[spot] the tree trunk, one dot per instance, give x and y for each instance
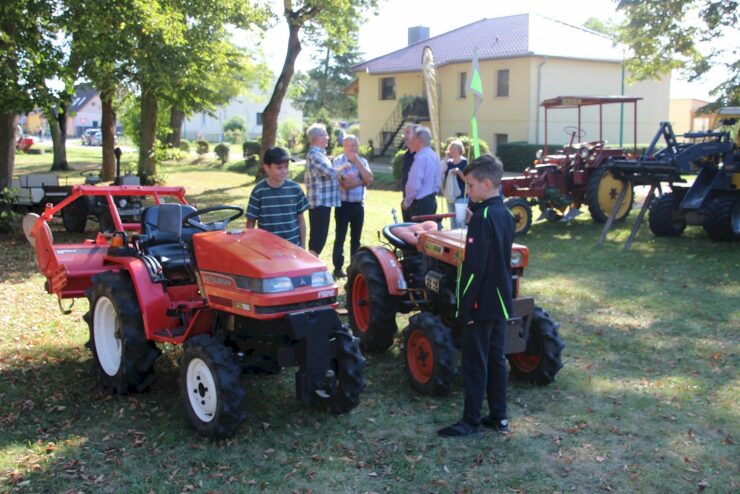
(177, 117)
(272, 110)
(108, 127)
(58, 127)
(8, 125)
(147, 131)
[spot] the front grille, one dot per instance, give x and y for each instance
(226, 302)
(275, 309)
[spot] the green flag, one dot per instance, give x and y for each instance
(476, 85)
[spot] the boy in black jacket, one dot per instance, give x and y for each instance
(484, 300)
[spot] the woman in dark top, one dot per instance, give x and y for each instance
(455, 164)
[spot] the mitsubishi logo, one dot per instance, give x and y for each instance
(303, 282)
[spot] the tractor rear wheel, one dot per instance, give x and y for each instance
(722, 221)
(430, 354)
(74, 216)
(209, 384)
(348, 365)
(124, 357)
(602, 192)
(371, 309)
(522, 213)
(541, 360)
(665, 219)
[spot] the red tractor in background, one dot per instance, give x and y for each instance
(572, 176)
(417, 271)
(235, 299)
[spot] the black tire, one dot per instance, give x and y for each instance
(539, 363)
(665, 219)
(348, 365)
(722, 221)
(602, 193)
(522, 213)
(210, 389)
(124, 358)
(429, 354)
(371, 309)
(74, 216)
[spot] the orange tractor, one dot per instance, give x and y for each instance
(416, 271)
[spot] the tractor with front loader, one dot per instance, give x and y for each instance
(559, 183)
(416, 271)
(236, 299)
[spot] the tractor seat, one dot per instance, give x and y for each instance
(406, 235)
(166, 239)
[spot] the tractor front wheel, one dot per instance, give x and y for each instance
(541, 360)
(722, 221)
(124, 357)
(348, 365)
(430, 354)
(522, 213)
(74, 216)
(371, 309)
(209, 384)
(665, 218)
(602, 192)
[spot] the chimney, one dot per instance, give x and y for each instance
(417, 34)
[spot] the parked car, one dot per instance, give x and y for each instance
(87, 137)
(96, 139)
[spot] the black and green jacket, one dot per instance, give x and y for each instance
(484, 285)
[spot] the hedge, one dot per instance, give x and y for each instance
(517, 156)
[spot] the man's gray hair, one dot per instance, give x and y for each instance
(314, 131)
(424, 134)
(352, 138)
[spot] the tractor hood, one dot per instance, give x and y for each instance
(252, 253)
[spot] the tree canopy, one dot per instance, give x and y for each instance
(690, 35)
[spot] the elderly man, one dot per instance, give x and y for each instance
(408, 160)
(424, 177)
(322, 184)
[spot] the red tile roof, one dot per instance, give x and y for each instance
(502, 37)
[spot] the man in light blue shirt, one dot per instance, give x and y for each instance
(425, 176)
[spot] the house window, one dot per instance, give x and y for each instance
(388, 88)
(502, 82)
(500, 139)
(259, 118)
(463, 85)
(95, 124)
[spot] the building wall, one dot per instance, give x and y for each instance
(682, 116)
(518, 116)
(210, 127)
(89, 116)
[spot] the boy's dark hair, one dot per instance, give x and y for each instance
(486, 166)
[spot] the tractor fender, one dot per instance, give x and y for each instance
(153, 300)
(392, 269)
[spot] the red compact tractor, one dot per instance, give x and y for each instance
(573, 175)
(417, 271)
(236, 300)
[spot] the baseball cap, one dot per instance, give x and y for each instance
(276, 155)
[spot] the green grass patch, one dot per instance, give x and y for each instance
(647, 401)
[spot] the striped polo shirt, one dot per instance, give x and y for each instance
(276, 209)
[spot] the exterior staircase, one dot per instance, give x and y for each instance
(412, 110)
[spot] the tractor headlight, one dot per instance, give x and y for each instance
(516, 259)
(275, 285)
(122, 203)
(584, 153)
(538, 154)
(321, 278)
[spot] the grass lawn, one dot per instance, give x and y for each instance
(648, 399)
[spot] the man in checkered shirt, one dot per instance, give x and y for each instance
(322, 184)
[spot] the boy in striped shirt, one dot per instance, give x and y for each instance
(277, 203)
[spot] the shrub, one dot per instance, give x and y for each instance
(398, 164)
(222, 151)
(290, 134)
(366, 151)
(354, 129)
(165, 152)
(184, 145)
(517, 156)
(252, 163)
(10, 221)
(236, 123)
(250, 147)
(202, 147)
(234, 136)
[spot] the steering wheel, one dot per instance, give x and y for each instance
(190, 220)
(573, 131)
